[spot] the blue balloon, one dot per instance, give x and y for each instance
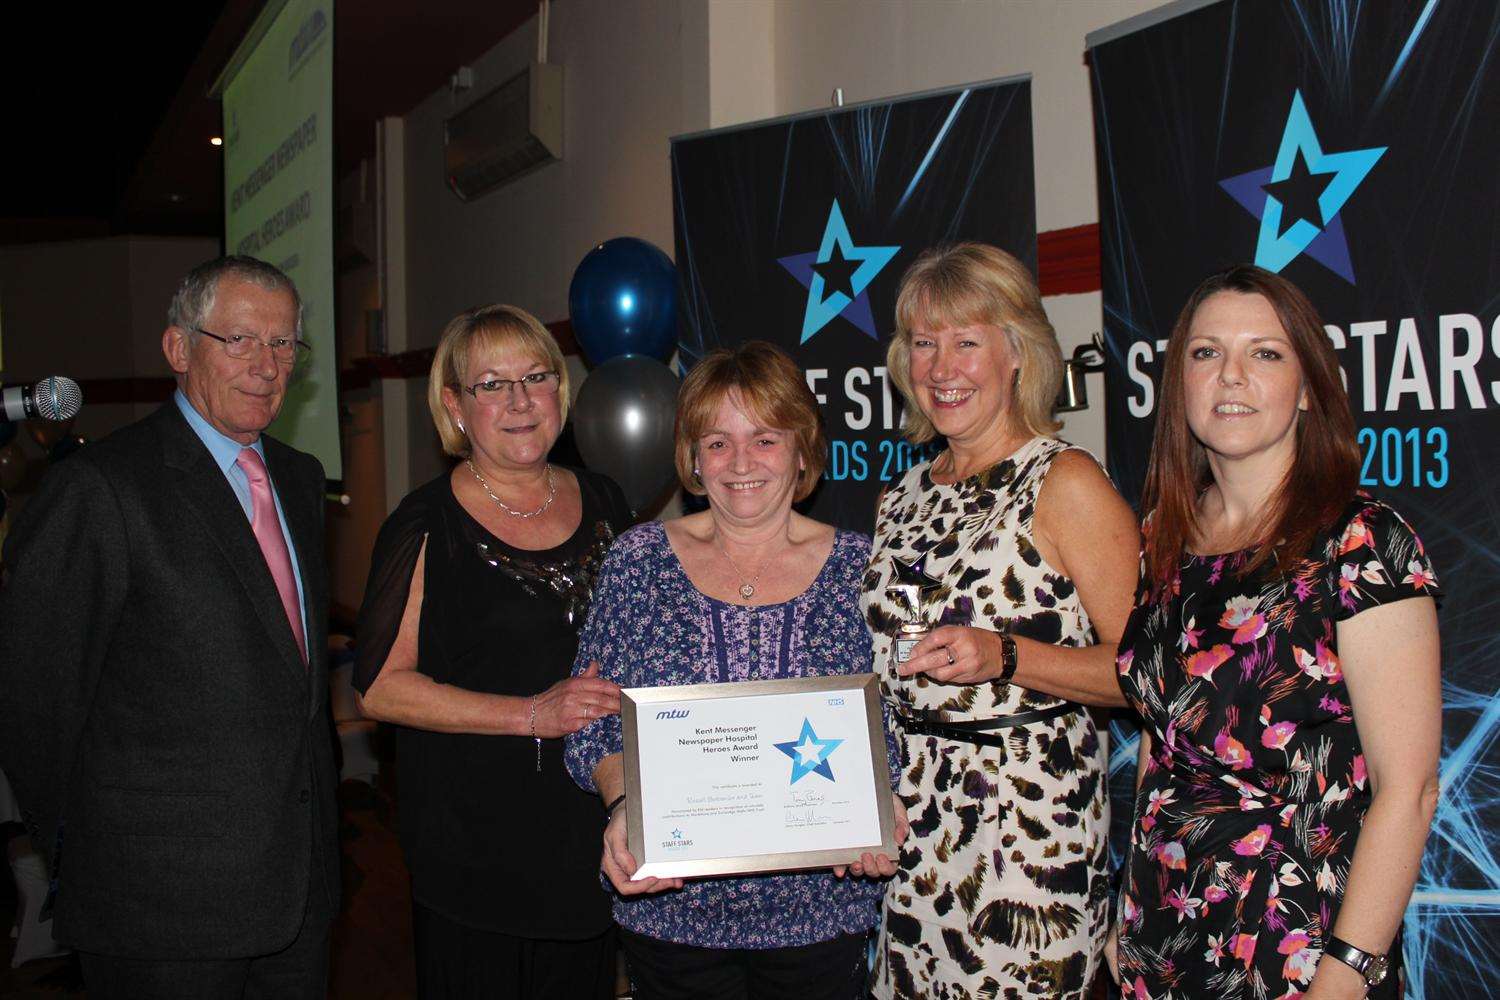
(623, 300)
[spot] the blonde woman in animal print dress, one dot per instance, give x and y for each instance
(1027, 562)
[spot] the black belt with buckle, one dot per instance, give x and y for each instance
(925, 723)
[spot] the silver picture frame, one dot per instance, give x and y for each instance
(864, 686)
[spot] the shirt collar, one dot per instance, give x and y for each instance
(224, 449)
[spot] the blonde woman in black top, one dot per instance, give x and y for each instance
(478, 586)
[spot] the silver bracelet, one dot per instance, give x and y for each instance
(535, 738)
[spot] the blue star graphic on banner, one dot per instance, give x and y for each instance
(809, 754)
(1282, 239)
(833, 264)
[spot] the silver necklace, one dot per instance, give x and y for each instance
(551, 493)
(747, 587)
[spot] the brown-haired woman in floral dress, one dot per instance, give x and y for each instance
(1284, 655)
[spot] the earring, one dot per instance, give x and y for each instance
(461, 428)
(696, 477)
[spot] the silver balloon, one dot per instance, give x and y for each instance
(622, 423)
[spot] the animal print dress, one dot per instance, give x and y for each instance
(1002, 888)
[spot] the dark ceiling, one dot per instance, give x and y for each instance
(110, 134)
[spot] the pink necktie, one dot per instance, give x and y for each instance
(267, 528)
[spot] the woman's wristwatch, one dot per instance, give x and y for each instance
(1007, 658)
(1372, 967)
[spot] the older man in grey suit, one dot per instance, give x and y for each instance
(163, 693)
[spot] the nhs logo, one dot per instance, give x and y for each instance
(674, 713)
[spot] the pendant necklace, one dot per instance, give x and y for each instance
(551, 493)
(747, 587)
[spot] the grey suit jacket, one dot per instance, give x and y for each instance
(170, 750)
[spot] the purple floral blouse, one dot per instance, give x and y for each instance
(649, 626)
(1253, 796)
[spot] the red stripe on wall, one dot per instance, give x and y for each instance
(1067, 263)
(1068, 260)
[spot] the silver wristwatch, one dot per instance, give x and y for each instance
(1372, 967)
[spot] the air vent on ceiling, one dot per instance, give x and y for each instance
(510, 131)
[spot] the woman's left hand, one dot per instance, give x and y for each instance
(955, 654)
(879, 865)
(572, 703)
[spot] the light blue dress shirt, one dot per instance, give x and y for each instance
(226, 452)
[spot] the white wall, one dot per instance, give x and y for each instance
(881, 48)
(635, 75)
(640, 71)
(741, 61)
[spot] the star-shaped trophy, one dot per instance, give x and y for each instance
(910, 588)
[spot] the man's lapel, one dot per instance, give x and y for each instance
(207, 494)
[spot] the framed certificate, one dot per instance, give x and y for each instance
(727, 779)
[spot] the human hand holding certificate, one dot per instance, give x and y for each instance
(757, 776)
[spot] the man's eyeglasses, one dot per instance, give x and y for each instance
(495, 390)
(286, 350)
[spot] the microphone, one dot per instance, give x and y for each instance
(56, 397)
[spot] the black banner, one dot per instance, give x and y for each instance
(1351, 148)
(797, 231)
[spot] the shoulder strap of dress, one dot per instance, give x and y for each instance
(1035, 461)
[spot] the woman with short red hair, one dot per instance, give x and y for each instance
(745, 590)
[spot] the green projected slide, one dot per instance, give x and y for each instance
(279, 201)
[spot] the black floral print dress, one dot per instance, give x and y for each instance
(1253, 796)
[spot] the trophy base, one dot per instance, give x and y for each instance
(906, 642)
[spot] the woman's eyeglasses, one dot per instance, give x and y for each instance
(496, 390)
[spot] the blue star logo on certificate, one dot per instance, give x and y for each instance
(809, 754)
(676, 834)
(836, 276)
(1298, 198)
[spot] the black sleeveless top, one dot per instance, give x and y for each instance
(491, 841)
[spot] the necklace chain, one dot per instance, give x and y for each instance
(551, 493)
(747, 587)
